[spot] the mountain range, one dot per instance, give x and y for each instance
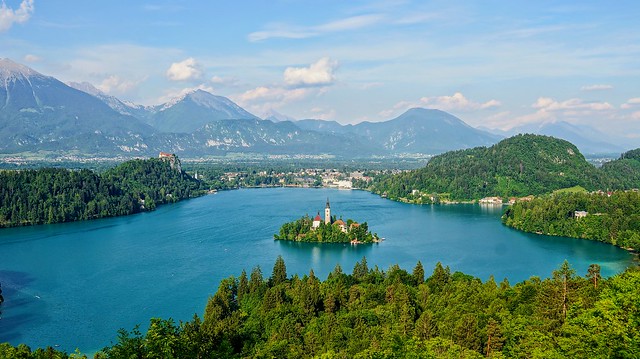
(39, 113)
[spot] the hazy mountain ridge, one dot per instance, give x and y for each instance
(41, 113)
(193, 110)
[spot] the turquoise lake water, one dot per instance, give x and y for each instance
(75, 284)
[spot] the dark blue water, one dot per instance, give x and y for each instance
(76, 284)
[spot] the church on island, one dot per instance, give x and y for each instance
(327, 220)
(327, 230)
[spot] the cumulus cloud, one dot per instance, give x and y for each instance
(115, 85)
(320, 73)
(631, 103)
(264, 98)
(457, 102)
(187, 70)
(599, 87)
(9, 16)
(574, 104)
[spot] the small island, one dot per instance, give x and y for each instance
(329, 230)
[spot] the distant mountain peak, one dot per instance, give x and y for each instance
(12, 70)
(275, 116)
(86, 87)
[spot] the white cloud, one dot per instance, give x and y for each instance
(264, 98)
(631, 103)
(457, 102)
(186, 70)
(277, 94)
(9, 16)
(32, 58)
(574, 104)
(548, 109)
(115, 85)
(598, 87)
(319, 73)
(303, 32)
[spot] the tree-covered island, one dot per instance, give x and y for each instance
(329, 230)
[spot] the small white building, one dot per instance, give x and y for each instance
(316, 221)
(491, 200)
(345, 184)
(580, 214)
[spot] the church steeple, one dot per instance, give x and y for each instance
(327, 213)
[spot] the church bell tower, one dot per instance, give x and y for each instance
(327, 213)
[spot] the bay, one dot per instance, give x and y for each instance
(75, 284)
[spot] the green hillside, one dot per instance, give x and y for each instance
(518, 166)
(625, 171)
(52, 195)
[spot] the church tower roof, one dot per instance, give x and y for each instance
(328, 206)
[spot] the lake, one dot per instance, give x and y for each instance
(75, 284)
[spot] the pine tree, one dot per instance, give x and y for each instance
(243, 285)
(495, 339)
(279, 274)
(255, 280)
(593, 273)
(418, 273)
(564, 275)
(361, 270)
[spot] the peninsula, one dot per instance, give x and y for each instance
(329, 230)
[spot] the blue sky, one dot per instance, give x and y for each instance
(497, 64)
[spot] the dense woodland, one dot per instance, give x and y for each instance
(611, 219)
(625, 171)
(372, 313)
(300, 230)
(52, 195)
(518, 166)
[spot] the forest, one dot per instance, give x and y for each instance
(300, 230)
(610, 218)
(393, 313)
(53, 195)
(515, 167)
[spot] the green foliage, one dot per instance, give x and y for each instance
(518, 166)
(377, 314)
(51, 195)
(625, 171)
(301, 230)
(611, 219)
